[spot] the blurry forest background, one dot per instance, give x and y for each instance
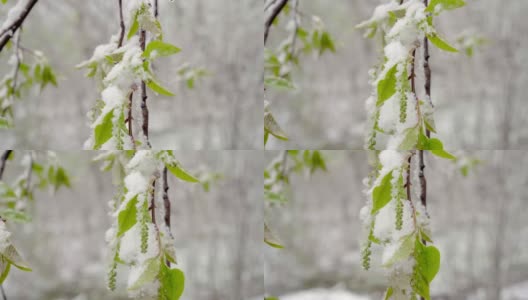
(480, 100)
(223, 111)
(218, 233)
(478, 223)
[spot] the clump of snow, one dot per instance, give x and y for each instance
(113, 97)
(144, 161)
(391, 159)
(395, 52)
(136, 183)
(389, 114)
(385, 222)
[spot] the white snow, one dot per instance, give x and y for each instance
(136, 183)
(113, 97)
(391, 159)
(395, 53)
(13, 14)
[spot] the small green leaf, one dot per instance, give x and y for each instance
(270, 238)
(127, 217)
(61, 178)
(382, 193)
(161, 49)
(5, 267)
(149, 274)
(272, 127)
(388, 294)
(179, 172)
(278, 82)
(404, 251)
(437, 148)
(11, 254)
(157, 88)
(440, 43)
(410, 139)
(103, 131)
(446, 4)
(326, 43)
(172, 283)
(134, 27)
(387, 86)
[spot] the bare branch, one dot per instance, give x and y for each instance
(166, 203)
(3, 160)
(121, 24)
(7, 33)
(275, 10)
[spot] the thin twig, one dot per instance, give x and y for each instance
(130, 118)
(3, 160)
(427, 72)
(17, 57)
(121, 24)
(5, 34)
(295, 28)
(156, 11)
(144, 97)
(166, 203)
(274, 13)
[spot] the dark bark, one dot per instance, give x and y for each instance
(121, 24)
(5, 35)
(3, 160)
(166, 203)
(144, 107)
(274, 13)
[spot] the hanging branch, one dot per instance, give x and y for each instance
(3, 160)
(144, 107)
(427, 71)
(156, 12)
(295, 27)
(274, 13)
(153, 202)
(9, 31)
(166, 204)
(17, 58)
(121, 24)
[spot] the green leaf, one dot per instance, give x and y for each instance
(172, 283)
(382, 193)
(103, 131)
(278, 82)
(326, 43)
(4, 2)
(437, 148)
(127, 218)
(388, 294)
(161, 48)
(404, 251)
(426, 268)
(410, 140)
(14, 215)
(61, 178)
(387, 86)
(446, 4)
(179, 172)
(11, 254)
(151, 271)
(270, 238)
(272, 127)
(5, 267)
(157, 88)
(440, 43)
(134, 27)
